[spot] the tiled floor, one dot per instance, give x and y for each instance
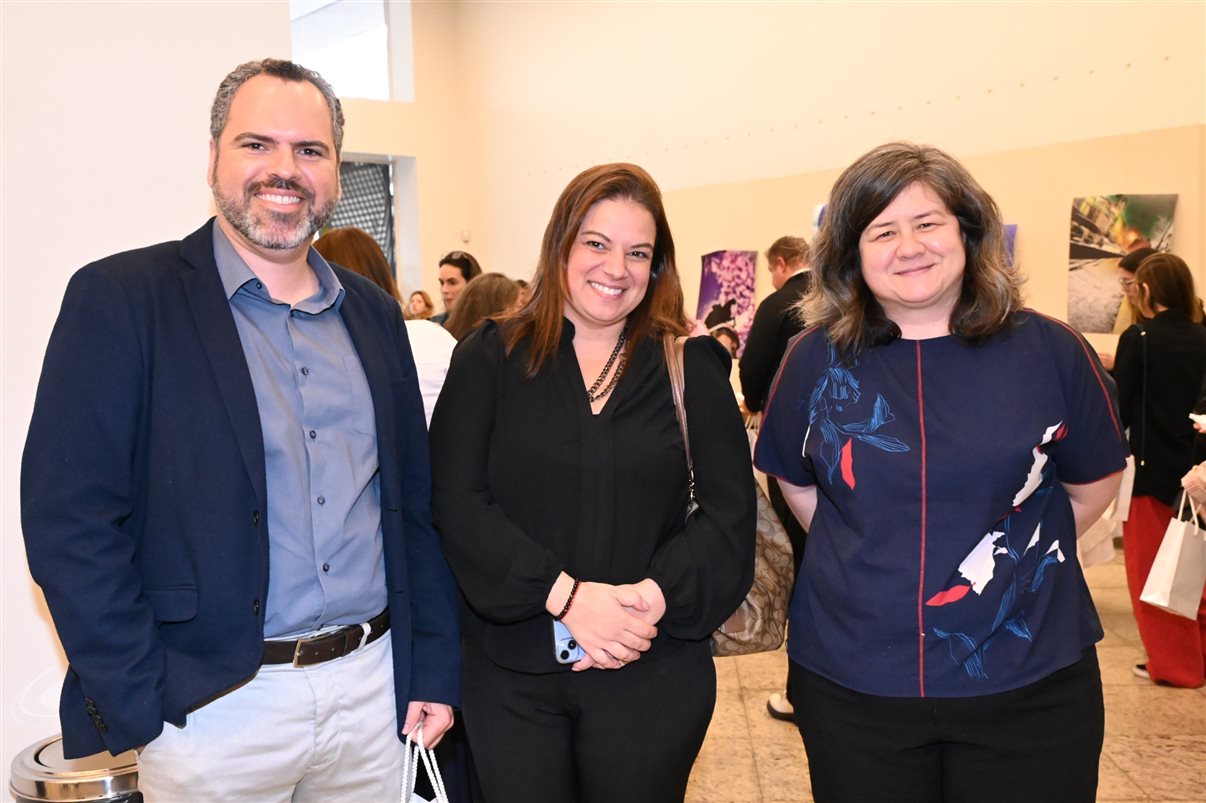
(1155, 744)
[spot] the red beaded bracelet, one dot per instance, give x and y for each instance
(568, 601)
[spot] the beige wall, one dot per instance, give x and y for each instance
(1033, 186)
(430, 131)
(718, 93)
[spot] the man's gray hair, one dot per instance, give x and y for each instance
(277, 68)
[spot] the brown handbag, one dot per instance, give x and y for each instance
(760, 623)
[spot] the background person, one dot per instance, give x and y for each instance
(420, 306)
(225, 491)
(776, 321)
(525, 293)
(944, 447)
(357, 250)
(728, 337)
(457, 269)
(1194, 483)
(560, 490)
(430, 343)
(1159, 369)
(1129, 312)
(486, 296)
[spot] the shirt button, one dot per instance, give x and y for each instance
(259, 285)
(255, 519)
(313, 434)
(322, 500)
(305, 371)
(255, 607)
(326, 567)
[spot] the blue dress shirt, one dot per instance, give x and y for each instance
(326, 565)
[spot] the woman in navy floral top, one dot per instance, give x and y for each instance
(944, 447)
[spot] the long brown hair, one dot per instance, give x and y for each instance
(357, 251)
(840, 299)
(1165, 279)
(485, 296)
(661, 310)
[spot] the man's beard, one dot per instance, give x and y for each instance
(281, 230)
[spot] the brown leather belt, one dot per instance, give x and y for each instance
(328, 646)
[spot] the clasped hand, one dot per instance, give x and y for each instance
(614, 624)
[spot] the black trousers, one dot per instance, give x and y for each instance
(1039, 744)
(598, 736)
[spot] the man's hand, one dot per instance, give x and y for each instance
(437, 718)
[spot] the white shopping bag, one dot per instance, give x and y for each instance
(1179, 572)
(416, 754)
(1122, 504)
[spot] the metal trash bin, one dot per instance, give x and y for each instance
(41, 774)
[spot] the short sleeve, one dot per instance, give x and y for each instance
(780, 448)
(1094, 444)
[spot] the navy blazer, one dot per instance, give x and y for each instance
(143, 497)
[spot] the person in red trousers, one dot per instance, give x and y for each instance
(1159, 370)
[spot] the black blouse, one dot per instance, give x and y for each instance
(1159, 368)
(527, 482)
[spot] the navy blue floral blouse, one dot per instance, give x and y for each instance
(941, 560)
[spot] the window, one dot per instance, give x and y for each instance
(368, 203)
(347, 41)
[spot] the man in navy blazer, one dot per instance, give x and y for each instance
(226, 494)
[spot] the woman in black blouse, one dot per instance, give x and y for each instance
(1159, 370)
(560, 490)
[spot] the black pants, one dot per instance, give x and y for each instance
(598, 736)
(1039, 744)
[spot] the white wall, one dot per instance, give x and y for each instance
(105, 129)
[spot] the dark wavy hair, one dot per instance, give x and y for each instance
(469, 266)
(840, 299)
(660, 311)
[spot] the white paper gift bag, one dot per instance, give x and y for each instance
(1179, 572)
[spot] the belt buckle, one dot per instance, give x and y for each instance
(301, 642)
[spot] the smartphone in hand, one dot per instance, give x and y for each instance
(565, 647)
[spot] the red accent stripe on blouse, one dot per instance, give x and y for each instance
(921, 571)
(791, 346)
(1084, 346)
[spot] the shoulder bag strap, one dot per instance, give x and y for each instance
(674, 364)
